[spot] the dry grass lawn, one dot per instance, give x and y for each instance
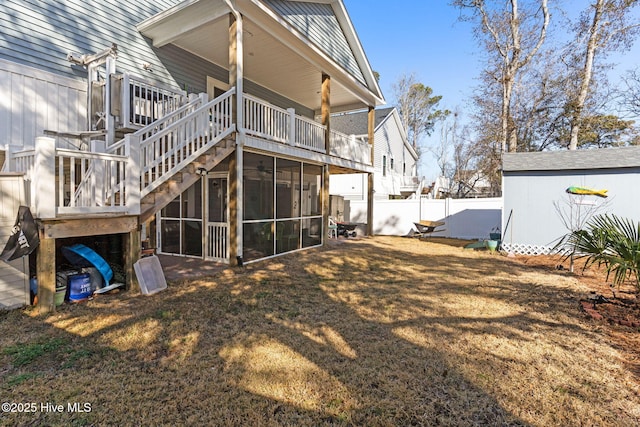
(376, 332)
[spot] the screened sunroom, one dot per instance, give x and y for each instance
(282, 200)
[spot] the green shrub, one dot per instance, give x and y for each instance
(610, 241)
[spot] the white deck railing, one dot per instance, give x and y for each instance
(218, 241)
(85, 187)
(350, 147)
(114, 179)
(267, 121)
(409, 182)
(54, 174)
(309, 134)
(168, 150)
(105, 175)
(143, 102)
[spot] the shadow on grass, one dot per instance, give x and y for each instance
(365, 333)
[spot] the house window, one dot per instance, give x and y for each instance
(404, 169)
(384, 165)
(391, 165)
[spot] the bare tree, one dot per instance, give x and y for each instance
(513, 35)
(442, 151)
(631, 91)
(606, 24)
(418, 108)
(457, 157)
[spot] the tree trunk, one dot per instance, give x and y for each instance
(504, 116)
(592, 46)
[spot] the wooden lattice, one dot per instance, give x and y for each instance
(526, 249)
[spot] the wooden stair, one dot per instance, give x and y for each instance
(185, 178)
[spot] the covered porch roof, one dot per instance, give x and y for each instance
(278, 55)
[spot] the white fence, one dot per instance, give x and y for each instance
(464, 218)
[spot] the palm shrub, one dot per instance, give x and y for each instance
(610, 241)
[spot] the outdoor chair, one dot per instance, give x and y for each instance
(333, 228)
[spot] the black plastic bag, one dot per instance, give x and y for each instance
(24, 237)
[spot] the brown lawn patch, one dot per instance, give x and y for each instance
(382, 331)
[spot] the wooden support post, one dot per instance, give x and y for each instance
(233, 210)
(46, 273)
(133, 252)
(236, 163)
(326, 110)
(370, 205)
(325, 203)
(236, 65)
(370, 190)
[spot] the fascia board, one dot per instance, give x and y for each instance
(167, 26)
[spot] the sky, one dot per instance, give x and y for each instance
(421, 37)
(425, 37)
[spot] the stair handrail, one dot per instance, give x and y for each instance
(186, 138)
(119, 147)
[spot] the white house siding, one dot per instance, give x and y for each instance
(41, 33)
(389, 142)
(13, 275)
(386, 143)
(529, 195)
(33, 100)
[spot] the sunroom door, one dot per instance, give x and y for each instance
(217, 230)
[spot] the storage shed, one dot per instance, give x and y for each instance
(532, 182)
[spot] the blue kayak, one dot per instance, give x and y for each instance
(83, 256)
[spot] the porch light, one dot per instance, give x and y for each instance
(201, 171)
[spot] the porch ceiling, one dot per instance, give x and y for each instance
(274, 57)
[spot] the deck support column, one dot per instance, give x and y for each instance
(326, 122)
(235, 214)
(325, 203)
(326, 110)
(371, 116)
(133, 251)
(236, 65)
(236, 162)
(46, 273)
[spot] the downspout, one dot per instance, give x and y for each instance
(240, 132)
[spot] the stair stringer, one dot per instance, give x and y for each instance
(185, 178)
